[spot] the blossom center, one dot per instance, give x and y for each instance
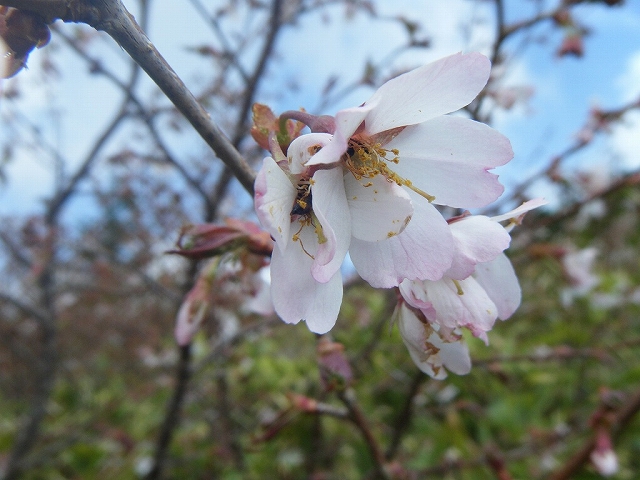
(302, 211)
(368, 160)
(302, 204)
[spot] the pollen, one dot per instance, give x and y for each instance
(368, 161)
(313, 149)
(302, 205)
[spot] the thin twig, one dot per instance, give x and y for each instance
(250, 90)
(41, 316)
(45, 367)
(173, 413)
(406, 415)
(621, 421)
(359, 420)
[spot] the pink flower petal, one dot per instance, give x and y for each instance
(380, 210)
(303, 148)
(274, 199)
(444, 308)
(443, 305)
(296, 294)
(449, 157)
(424, 250)
(347, 122)
(441, 87)
(480, 310)
(477, 239)
(499, 280)
(453, 355)
(332, 210)
(189, 319)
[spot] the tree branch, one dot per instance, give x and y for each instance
(115, 20)
(359, 420)
(173, 412)
(406, 414)
(112, 17)
(620, 421)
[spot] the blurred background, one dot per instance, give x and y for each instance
(99, 175)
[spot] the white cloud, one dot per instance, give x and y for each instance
(628, 83)
(317, 48)
(625, 141)
(625, 137)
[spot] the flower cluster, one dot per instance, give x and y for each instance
(366, 183)
(480, 287)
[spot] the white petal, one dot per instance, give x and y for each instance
(296, 294)
(414, 333)
(303, 148)
(428, 350)
(605, 461)
(347, 122)
(435, 89)
(274, 199)
(477, 239)
(522, 209)
(260, 302)
(449, 157)
(453, 355)
(332, 210)
(500, 282)
(424, 250)
(480, 310)
(443, 297)
(380, 210)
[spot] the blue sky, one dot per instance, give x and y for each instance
(72, 111)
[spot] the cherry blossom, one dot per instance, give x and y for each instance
(446, 156)
(402, 134)
(480, 287)
(365, 182)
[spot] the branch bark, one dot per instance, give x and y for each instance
(173, 413)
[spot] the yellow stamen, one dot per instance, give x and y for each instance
(296, 236)
(367, 161)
